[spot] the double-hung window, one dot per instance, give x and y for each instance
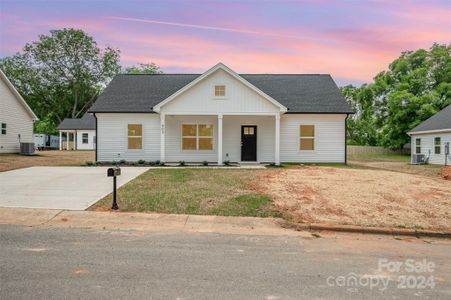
(135, 136)
(307, 137)
(418, 146)
(84, 138)
(437, 142)
(3, 128)
(197, 137)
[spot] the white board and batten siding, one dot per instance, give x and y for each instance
(17, 120)
(200, 98)
(428, 149)
(329, 138)
(112, 136)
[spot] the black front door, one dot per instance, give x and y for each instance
(248, 143)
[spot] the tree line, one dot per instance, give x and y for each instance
(415, 87)
(61, 74)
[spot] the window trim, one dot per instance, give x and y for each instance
(314, 138)
(417, 145)
(214, 91)
(142, 137)
(83, 138)
(439, 146)
(197, 137)
(3, 129)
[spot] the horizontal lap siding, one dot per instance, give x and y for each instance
(112, 138)
(232, 137)
(427, 147)
(17, 120)
(90, 145)
(329, 138)
(174, 152)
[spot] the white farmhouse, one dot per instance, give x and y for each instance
(16, 118)
(80, 134)
(431, 139)
(222, 116)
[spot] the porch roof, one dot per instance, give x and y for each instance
(300, 93)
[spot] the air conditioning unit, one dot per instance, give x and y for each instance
(26, 148)
(418, 159)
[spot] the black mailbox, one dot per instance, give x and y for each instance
(113, 172)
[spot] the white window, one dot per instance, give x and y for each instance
(3, 128)
(220, 90)
(437, 142)
(84, 138)
(135, 136)
(418, 146)
(307, 137)
(197, 137)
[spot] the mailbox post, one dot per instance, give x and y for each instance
(113, 172)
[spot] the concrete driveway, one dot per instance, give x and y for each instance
(72, 188)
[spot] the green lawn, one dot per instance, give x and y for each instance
(193, 191)
(380, 157)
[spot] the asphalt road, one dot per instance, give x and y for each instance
(61, 263)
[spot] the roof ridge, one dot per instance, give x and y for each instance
(285, 74)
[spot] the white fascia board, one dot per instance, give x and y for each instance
(429, 131)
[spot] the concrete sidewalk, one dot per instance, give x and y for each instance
(143, 221)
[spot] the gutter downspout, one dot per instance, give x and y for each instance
(346, 139)
(96, 135)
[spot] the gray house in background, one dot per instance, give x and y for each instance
(83, 132)
(431, 139)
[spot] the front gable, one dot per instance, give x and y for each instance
(199, 96)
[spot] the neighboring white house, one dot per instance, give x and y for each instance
(221, 115)
(16, 118)
(82, 131)
(431, 139)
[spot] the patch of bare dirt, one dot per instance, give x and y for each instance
(446, 172)
(359, 197)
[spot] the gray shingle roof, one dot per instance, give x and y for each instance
(439, 121)
(87, 122)
(299, 93)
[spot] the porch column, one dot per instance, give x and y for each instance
(162, 136)
(67, 140)
(277, 141)
(220, 139)
(61, 140)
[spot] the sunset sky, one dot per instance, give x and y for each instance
(352, 40)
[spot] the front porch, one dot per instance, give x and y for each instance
(66, 143)
(239, 138)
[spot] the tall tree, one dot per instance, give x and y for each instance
(61, 74)
(415, 86)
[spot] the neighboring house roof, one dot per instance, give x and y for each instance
(441, 121)
(18, 96)
(300, 93)
(87, 122)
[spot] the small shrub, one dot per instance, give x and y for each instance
(182, 163)
(89, 163)
(161, 163)
(151, 163)
(122, 161)
(205, 163)
(157, 162)
(227, 162)
(114, 163)
(133, 163)
(141, 161)
(316, 235)
(98, 163)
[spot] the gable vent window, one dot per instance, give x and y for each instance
(3, 128)
(220, 91)
(437, 142)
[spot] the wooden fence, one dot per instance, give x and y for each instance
(361, 150)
